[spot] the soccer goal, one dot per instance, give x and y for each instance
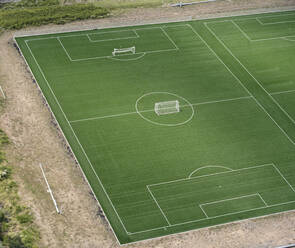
(123, 50)
(169, 107)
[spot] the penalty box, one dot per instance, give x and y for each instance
(220, 194)
(101, 44)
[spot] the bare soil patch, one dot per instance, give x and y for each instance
(36, 138)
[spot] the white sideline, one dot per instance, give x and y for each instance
(71, 128)
(226, 47)
(49, 190)
(254, 80)
(214, 217)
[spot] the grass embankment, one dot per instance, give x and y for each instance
(31, 13)
(17, 229)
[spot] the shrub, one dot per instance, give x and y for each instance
(24, 218)
(22, 17)
(14, 242)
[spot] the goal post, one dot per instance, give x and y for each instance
(123, 50)
(168, 107)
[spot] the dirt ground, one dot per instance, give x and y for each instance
(36, 139)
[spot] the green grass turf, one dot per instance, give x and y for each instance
(229, 153)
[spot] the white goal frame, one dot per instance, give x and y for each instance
(168, 107)
(123, 50)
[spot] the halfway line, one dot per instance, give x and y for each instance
(151, 110)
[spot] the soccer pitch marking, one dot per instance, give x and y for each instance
(193, 104)
(261, 23)
(163, 124)
(251, 40)
(208, 166)
(222, 43)
(282, 92)
(123, 38)
(230, 199)
(79, 143)
(176, 48)
(227, 199)
(75, 136)
(152, 110)
(271, 23)
(122, 58)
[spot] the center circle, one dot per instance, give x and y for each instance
(147, 111)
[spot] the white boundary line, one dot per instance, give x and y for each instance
(155, 200)
(151, 110)
(111, 56)
(230, 199)
(244, 85)
(69, 57)
(261, 86)
(2, 92)
(201, 207)
(68, 144)
(49, 189)
(214, 217)
(273, 23)
(289, 38)
(284, 177)
(209, 175)
(209, 166)
(255, 40)
(54, 32)
(283, 92)
(169, 38)
(86, 156)
(120, 58)
(123, 38)
(262, 200)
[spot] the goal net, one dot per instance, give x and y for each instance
(123, 50)
(169, 107)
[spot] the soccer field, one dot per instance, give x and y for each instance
(227, 155)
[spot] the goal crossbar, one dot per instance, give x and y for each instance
(123, 50)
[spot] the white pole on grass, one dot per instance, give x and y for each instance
(2, 92)
(49, 189)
